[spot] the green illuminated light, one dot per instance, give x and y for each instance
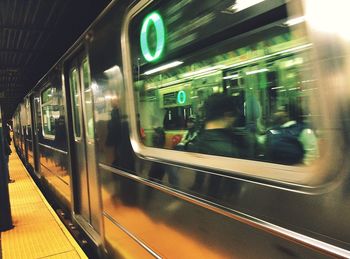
(156, 20)
(181, 97)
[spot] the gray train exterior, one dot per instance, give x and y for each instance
(86, 133)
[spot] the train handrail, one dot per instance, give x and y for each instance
(54, 149)
(273, 229)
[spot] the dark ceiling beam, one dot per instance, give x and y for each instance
(9, 99)
(14, 89)
(23, 51)
(9, 69)
(51, 20)
(26, 28)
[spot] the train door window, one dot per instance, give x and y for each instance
(38, 118)
(88, 100)
(50, 111)
(244, 84)
(75, 93)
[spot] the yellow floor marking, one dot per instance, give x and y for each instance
(38, 231)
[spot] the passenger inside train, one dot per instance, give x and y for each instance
(191, 134)
(290, 140)
(217, 137)
(261, 79)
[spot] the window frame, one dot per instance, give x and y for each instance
(294, 178)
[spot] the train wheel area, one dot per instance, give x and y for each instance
(37, 232)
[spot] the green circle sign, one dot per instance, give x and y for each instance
(181, 97)
(156, 20)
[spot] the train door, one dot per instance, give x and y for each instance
(22, 131)
(28, 134)
(36, 119)
(87, 199)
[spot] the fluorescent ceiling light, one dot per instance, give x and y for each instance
(240, 5)
(257, 71)
(203, 71)
(291, 50)
(231, 76)
(163, 67)
(277, 87)
(295, 21)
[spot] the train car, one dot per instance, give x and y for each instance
(261, 86)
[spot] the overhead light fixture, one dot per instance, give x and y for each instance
(240, 5)
(295, 21)
(257, 71)
(203, 71)
(163, 67)
(277, 87)
(231, 76)
(291, 50)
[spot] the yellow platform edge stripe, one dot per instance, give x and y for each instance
(57, 219)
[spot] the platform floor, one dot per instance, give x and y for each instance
(37, 232)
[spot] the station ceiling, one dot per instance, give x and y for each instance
(33, 36)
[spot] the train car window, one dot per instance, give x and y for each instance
(235, 77)
(38, 117)
(51, 110)
(74, 82)
(88, 102)
(29, 119)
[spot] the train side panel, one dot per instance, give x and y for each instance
(141, 195)
(52, 138)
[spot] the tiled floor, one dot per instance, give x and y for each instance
(38, 232)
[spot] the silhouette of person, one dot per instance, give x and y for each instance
(291, 141)
(7, 152)
(7, 132)
(190, 135)
(118, 138)
(114, 128)
(157, 170)
(218, 137)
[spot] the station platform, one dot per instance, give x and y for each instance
(38, 231)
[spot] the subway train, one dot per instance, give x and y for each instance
(155, 130)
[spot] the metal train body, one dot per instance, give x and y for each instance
(87, 129)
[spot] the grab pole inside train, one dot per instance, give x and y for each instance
(5, 209)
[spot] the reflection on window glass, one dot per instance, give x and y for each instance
(37, 116)
(52, 109)
(75, 92)
(214, 91)
(88, 101)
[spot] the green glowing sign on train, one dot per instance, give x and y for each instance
(153, 19)
(181, 97)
